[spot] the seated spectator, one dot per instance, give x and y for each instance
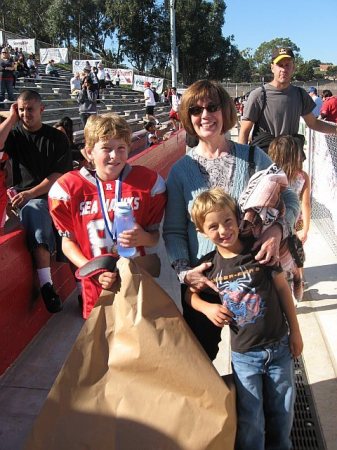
(151, 137)
(66, 126)
(21, 67)
(75, 83)
(7, 79)
(50, 69)
(40, 155)
(33, 71)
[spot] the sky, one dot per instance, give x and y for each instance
(307, 24)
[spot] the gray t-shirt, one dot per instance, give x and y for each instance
(283, 109)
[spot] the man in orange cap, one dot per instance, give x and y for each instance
(275, 108)
(150, 103)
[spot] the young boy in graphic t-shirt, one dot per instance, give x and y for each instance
(256, 302)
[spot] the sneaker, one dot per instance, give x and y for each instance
(51, 299)
(298, 289)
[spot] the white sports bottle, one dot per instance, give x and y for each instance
(124, 220)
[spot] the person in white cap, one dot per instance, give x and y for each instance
(275, 108)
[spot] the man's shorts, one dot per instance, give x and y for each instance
(174, 115)
(37, 222)
(149, 110)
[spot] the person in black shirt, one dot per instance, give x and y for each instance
(256, 302)
(40, 155)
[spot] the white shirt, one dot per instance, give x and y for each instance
(149, 97)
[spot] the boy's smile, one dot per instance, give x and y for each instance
(221, 227)
(109, 156)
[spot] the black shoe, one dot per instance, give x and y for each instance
(80, 301)
(51, 299)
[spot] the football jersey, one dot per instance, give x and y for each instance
(76, 211)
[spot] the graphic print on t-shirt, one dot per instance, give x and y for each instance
(237, 295)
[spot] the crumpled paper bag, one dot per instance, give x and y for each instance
(136, 379)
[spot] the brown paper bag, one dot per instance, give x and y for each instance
(136, 379)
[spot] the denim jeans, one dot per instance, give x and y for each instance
(37, 222)
(265, 386)
(6, 85)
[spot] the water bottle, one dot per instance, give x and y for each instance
(124, 221)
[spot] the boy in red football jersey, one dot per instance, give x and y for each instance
(82, 202)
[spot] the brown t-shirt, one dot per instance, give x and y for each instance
(247, 290)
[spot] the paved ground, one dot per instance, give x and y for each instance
(24, 387)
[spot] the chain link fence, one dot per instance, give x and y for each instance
(322, 169)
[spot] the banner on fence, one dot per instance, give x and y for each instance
(125, 75)
(27, 45)
(59, 55)
(79, 64)
(138, 83)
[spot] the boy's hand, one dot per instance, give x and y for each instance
(107, 279)
(133, 238)
(217, 314)
(295, 343)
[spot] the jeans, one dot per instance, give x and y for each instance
(6, 85)
(37, 222)
(265, 386)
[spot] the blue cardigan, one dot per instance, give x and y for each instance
(185, 183)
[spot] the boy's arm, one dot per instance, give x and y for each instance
(288, 308)
(216, 313)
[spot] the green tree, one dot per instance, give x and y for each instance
(332, 72)
(304, 72)
(242, 72)
(137, 29)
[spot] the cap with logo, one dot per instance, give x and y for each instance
(281, 53)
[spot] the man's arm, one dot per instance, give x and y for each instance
(319, 125)
(245, 129)
(7, 125)
(42, 188)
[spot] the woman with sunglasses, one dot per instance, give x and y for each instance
(208, 112)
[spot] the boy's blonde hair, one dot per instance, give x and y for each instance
(211, 201)
(105, 126)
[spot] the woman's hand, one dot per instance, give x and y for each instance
(196, 279)
(270, 246)
(107, 279)
(302, 236)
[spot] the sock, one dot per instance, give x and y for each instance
(44, 276)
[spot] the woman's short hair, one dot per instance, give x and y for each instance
(104, 126)
(213, 90)
(208, 201)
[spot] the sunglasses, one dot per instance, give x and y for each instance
(197, 110)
